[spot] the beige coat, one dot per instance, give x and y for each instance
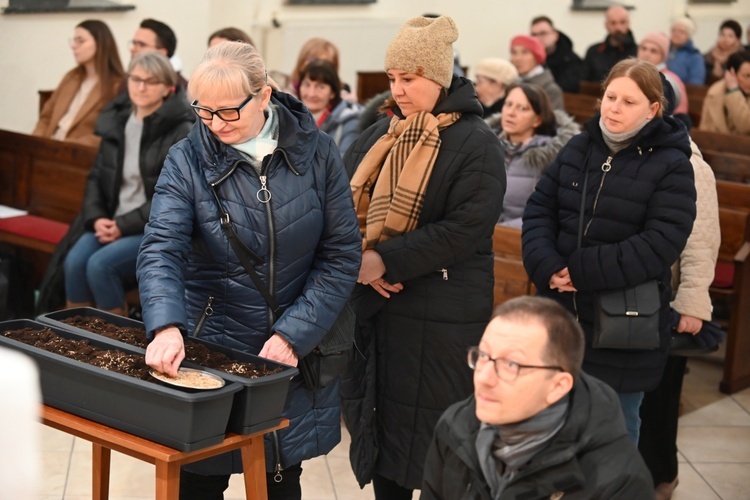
(694, 271)
(82, 128)
(725, 113)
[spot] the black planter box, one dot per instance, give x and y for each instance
(256, 407)
(183, 419)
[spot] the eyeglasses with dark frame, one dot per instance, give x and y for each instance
(136, 80)
(505, 369)
(224, 114)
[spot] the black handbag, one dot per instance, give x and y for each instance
(326, 362)
(626, 318)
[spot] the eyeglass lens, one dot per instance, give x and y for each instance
(225, 114)
(148, 81)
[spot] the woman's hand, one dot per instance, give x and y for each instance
(730, 79)
(561, 281)
(278, 349)
(165, 353)
(689, 324)
(106, 230)
(371, 273)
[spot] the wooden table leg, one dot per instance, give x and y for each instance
(254, 468)
(100, 457)
(167, 480)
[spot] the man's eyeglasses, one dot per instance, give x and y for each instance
(505, 369)
(137, 44)
(224, 114)
(149, 82)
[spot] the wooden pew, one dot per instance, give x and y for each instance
(47, 178)
(371, 83)
(581, 106)
(728, 155)
(734, 255)
(695, 95)
(44, 176)
(511, 279)
(590, 88)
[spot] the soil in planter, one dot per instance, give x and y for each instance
(194, 351)
(132, 365)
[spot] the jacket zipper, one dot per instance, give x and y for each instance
(208, 310)
(278, 477)
(606, 167)
(445, 273)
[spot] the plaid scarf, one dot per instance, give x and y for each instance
(404, 156)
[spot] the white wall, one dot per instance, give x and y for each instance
(34, 53)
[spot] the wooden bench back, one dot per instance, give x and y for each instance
(370, 84)
(44, 176)
(511, 279)
(590, 88)
(735, 231)
(733, 194)
(695, 95)
(728, 155)
(581, 106)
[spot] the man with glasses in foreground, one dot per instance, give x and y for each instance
(536, 426)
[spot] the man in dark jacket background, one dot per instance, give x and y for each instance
(536, 426)
(565, 65)
(619, 44)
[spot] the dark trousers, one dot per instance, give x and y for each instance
(659, 414)
(385, 489)
(199, 487)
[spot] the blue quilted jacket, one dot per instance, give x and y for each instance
(306, 236)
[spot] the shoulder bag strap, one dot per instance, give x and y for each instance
(247, 257)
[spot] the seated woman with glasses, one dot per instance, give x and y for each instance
(320, 91)
(71, 112)
(137, 130)
(257, 170)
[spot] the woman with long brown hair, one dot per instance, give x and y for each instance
(71, 112)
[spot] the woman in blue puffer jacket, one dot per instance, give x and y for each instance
(284, 187)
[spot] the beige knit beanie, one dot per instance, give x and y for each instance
(424, 46)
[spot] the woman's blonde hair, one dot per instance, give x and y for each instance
(157, 65)
(645, 75)
(230, 68)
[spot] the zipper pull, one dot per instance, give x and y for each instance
(445, 273)
(607, 165)
(263, 194)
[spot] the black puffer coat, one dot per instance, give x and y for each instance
(591, 456)
(161, 130)
(416, 341)
(636, 229)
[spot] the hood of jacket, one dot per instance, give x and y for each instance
(461, 98)
(345, 111)
(297, 143)
(564, 43)
(689, 46)
(174, 110)
(658, 133)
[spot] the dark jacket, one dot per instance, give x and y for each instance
(309, 248)
(415, 342)
(590, 457)
(565, 65)
(161, 130)
(600, 57)
(637, 220)
(342, 124)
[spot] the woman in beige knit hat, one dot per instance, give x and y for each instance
(428, 187)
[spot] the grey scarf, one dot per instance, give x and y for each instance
(503, 449)
(618, 142)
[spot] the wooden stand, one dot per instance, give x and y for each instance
(167, 460)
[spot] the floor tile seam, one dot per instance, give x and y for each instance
(707, 483)
(330, 478)
(746, 410)
(67, 469)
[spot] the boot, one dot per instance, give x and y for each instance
(72, 305)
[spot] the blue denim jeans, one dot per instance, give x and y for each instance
(95, 272)
(631, 408)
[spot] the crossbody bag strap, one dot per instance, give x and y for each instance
(583, 205)
(247, 257)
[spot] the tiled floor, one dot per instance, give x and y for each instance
(714, 443)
